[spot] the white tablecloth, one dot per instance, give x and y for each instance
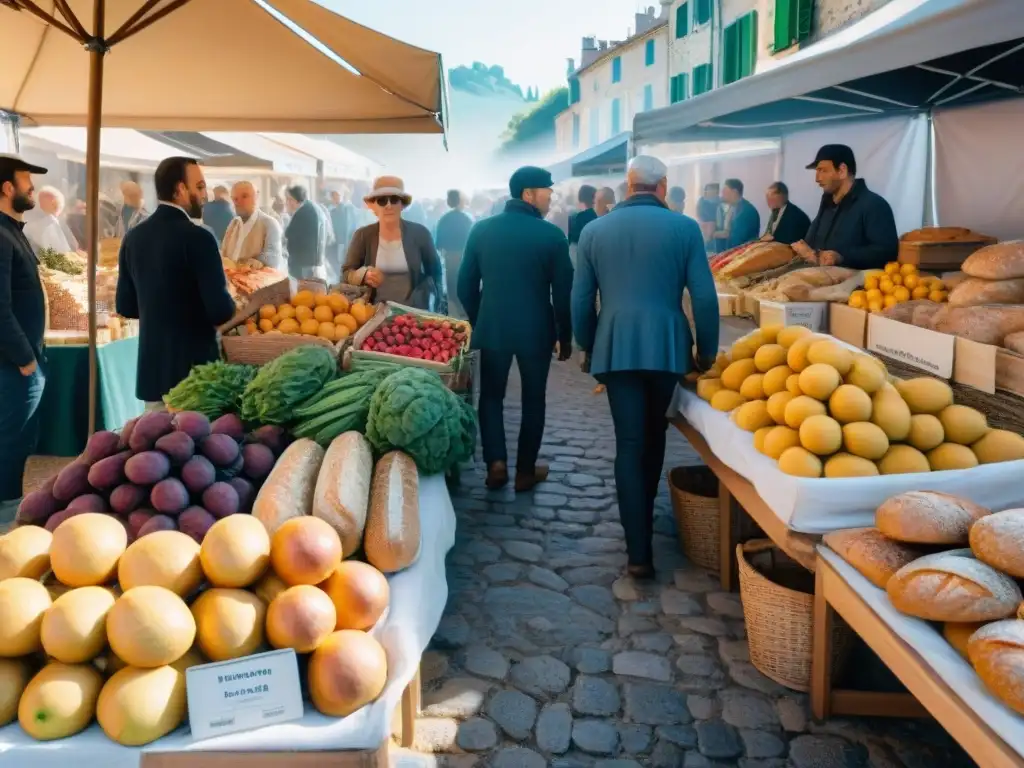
(948, 665)
(821, 505)
(418, 597)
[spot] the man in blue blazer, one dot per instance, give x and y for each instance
(742, 222)
(641, 257)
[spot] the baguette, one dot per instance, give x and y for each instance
(342, 492)
(288, 489)
(392, 540)
(998, 540)
(928, 517)
(953, 586)
(974, 291)
(996, 651)
(874, 556)
(999, 261)
(758, 258)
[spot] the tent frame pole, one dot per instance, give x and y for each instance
(97, 48)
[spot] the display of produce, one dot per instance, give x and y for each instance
(285, 383)
(69, 263)
(822, 409)
(343, 404)
(897, 284)
(211, 389)
(247, 279)
(162, 472)
(332, 316)
(420, 338)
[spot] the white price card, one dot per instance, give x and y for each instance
(243, 694)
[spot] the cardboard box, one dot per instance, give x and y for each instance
(988, 368)
(848, 324)
(810, 314)
(727, 304)
(930, 351)
(748, 306)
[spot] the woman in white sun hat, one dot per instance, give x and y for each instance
(395, 257)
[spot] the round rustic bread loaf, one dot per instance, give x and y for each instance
(998, 540)
(953, 586)
(958, 633)
(996, 651)
(928, 517)
(874, 556)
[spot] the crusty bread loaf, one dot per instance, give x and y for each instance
(996, 651)
(999, 261)
(392, 539)
(958, 633)
(875, 556)
(953, 587)
(998, 540)
(1015, 342)
(904, 311)
(988, 324)
(288, 490)
(952, 279)
(940, 235)
(343, 488)
(758, 258)
(928, 517)
(974, 292)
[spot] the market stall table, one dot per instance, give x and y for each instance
(935, 674)
(64, 410)
(418, 597)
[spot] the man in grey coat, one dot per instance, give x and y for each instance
(641, 257)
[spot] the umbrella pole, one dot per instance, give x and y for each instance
(97, 48)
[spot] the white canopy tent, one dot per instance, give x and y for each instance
(120, 148)
(335, 161)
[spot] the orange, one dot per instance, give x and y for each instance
(908, 269)
(896, 279)
(321, 300)
(266, 325)
(326, 331)
(874, 306)
(267, 311)
(348, 321)
(275, 320)
(889, 301)
(337, 303)
(304, 299)
(921, 291)
(310, 327)
(874, 294)
(892, 268)
(900, 293)
(912, 280)
(341, 332)
(885, 285)
(288, 325)
(302, 314)
(323, 314)
(285, 310)
(871, 283)
(938, 296)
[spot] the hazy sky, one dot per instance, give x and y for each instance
(531, 39)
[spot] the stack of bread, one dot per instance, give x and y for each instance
(945, 559)
(820, 408)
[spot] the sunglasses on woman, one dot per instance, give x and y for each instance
(384, 200)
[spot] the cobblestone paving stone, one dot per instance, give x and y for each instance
(548, 657)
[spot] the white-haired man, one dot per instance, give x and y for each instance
(252, 234)
(133, 208)
(641, 257)
(45, 231)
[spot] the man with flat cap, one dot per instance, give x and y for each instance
(854, 227)
(514, 283)
(22, 322)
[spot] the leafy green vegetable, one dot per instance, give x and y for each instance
(213, 389)
(414, 412)
(285, 382)
(59, 261)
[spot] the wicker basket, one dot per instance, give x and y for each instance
(694, 492)
(780, 619)
(259, 349)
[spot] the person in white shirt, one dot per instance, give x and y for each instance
(252, 234)
(46, 230)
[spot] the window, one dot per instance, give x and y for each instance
(701, 12)
(595, 126)
(649, 53)
(682, 20)
(616, 116)
(574, 90)
(703, 79)
(648, 97)
(679, 87)
(616, 69)
(575, 130)
(792, 22)
(739, 48)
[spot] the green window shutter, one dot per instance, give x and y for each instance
(793, 20)
(616, 117)
(804, 19)
(702, 79)
(701, 12)
(731, 53)
(616, 69)
(649, 53)
(682, 20)
(574, 91)
(747, 44)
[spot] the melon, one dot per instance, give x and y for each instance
(726, 400)
(769, 356)
(926, 432)
(866, 440)
(890, 412)
(25, 551)
(59, 701)
(168, 559)
(305, 550)
(193, 658)
(269, 587)
(849, 403)
(866, 373)
(150, 627)
(137, 706)
(799, 408)
(229, 623)
(778, 440)
(790, 334)
(23, 603)
(800, 462)
(999, 445)
(963, 425)
(734, 376)
(770, 333)
(74, 629)
(746, 346)
(775, 380)
(925, 394)
(951, 456)
(14, 676)
(360, 594)
(821, 435)
(829, 352)
(796, 356)
(235, 552)
(777, 406)
(706, 388)
(848, 465)
(86, 548)
(819, 381)
(902, 460)
(347, 672)
(108, 663)
(301, 618)
(752, 387)
(793, 384)
(753, 415)
(759, 437)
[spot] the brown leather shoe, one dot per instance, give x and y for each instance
(600, 389)
(527, 481)
(641, 572)
(497, 476)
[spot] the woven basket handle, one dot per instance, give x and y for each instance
(755, 546)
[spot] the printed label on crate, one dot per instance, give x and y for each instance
(243, 694)
(930, 351)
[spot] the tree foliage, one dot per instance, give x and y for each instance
(481, 79)
(537, 122)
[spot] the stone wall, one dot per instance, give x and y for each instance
(830, 15)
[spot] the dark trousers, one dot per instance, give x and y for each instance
(533, 373)
(639, 402)
(19, 425)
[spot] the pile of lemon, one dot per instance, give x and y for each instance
(884, 288)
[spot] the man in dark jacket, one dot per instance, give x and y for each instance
(22, 322)
(854, 227)
(787, 223)
(218, 213)
(172, 280)
(583, 216)
(304, 235)
(742, 221)
(519, 312)
(450, 238)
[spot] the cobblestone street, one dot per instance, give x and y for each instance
(546, 657)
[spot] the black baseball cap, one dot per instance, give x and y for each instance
(11, 163)
(837, 154)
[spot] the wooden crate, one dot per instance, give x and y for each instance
(939, 256)
(277, 293)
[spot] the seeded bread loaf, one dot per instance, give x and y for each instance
(953, 586)
(875, 556)
(996, 651)
(999, 261)
(928, 517)
(998, 540)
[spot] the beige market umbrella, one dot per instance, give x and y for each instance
(228, 65)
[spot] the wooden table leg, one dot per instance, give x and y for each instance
(821, 653)
(726, 543)
(410, 710)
